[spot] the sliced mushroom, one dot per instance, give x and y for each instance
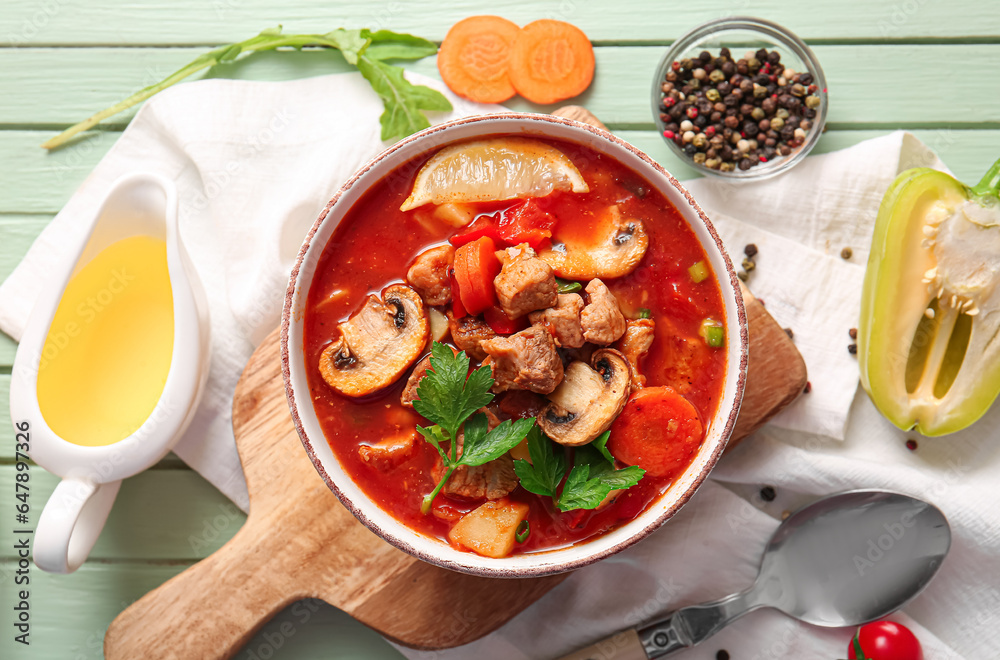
(613, 249)
(377, 344)
(588, 399)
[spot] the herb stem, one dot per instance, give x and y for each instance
(425, 506)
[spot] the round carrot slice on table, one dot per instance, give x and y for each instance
(473, 58)
(551, 61)
(658, 430)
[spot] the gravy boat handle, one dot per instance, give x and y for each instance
(71, 522)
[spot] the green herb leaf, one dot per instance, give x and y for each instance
(645, 313)
(351, 43)
(546, 469)
(445, 396)
(592, 478)
(568, 286)
(388, 45)
(404, 102)
(433, 435)
(481, 447)
(601, 445)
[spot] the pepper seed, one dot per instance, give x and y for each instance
(846, 253)
(767, 493)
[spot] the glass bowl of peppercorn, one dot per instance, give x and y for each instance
(740, 98)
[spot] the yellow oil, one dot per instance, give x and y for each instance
(108, 350)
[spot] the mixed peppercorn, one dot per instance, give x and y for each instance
(726, 113)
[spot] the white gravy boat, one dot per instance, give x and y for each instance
(138, 204)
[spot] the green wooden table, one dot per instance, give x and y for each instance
(924, 65)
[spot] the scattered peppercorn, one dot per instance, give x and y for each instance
(788, 331)
(750, 250)
(765, 106)
(911, 444)
(722, 655)
(846, 252)
(767, 493)
(852, 349)
(808, 388)
(742, 274)
(853, 332)
(748, 265)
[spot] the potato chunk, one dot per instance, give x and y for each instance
(490, 530)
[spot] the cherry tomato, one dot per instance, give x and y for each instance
(886, 640)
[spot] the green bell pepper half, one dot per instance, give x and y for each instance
(929, 332)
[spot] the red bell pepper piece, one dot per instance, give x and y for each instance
(482, 226)
(503, 324)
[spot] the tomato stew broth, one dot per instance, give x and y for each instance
(373, 248)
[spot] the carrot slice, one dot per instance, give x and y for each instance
(476, 265)
(551, 61)
(659, 430)
(473, 58)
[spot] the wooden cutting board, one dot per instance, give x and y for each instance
(300, 542)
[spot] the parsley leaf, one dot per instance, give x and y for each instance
(592, 478)
(449, 396)
(445, 396)
(601, 445)
(546, 469)
(481, 446)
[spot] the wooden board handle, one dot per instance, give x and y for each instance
(624, 645)
(212, 609)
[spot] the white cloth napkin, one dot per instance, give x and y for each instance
(256, 161)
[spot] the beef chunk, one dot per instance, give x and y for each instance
(602, 320)
(634, 344)
(525, 284)
(491, 480)
(526, 361)
(563, 320)
(430, 274)
(468, 333)
(521, 404)
(390, 452)
(410, 390)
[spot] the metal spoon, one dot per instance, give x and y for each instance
(845, 560)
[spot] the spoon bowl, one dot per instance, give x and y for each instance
(853, 558)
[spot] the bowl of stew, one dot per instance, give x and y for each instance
(513, 345)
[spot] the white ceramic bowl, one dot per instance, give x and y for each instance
(431, 549)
